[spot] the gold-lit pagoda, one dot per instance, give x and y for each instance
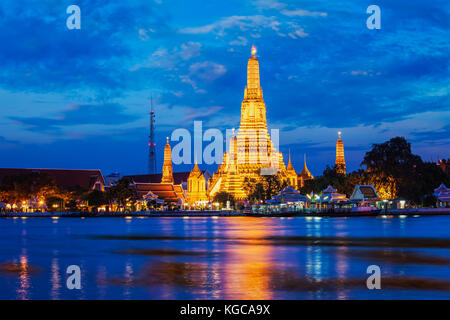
(251, 151)
(340, 160)
(305, 174)
(291, 174)
(167, 174)
(196, 186)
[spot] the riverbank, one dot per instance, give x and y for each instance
(123, 214)
(310, 212)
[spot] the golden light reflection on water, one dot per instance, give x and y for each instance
(248, 265)
(24, 277)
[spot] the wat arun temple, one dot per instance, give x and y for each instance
(251, 154)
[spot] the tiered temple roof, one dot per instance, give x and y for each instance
(252, 149)
(67, 179)
(340, 159)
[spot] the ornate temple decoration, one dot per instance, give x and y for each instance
(251, 151)
(167, 174)
(305, 174)
(291, 174)
(340, 160)
(196, 186)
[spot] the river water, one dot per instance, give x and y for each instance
(225, 257)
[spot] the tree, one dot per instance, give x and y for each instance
(96, 198)
(391, 166)
(223, 197)
(22, 187)
(397, 173)
(264, 188)
(54, 203)
(122, 192)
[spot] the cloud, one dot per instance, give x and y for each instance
(303, 13)
(49, 57)
(103, 114)
(242, 22)
(190, 50)
(269, 4)
(240, 41)
(298, 33)
(207, 70)
(200, 113)
(380, 83)
(163, 58)
(144, 34)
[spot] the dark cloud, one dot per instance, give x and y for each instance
(105, 114)
(40, 54)
(324, 70)
(432, 135)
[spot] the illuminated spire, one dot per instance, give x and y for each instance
(290, 166)
(340, 159)
(253, 72)
(196, 169)
(305, 172)
(167, 174)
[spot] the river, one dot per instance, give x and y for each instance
(225, 257)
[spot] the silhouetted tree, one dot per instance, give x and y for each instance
(122, 192)
(264, 188)
(223, 197)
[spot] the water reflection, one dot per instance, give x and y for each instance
(24, 277)
(224, 258)
(128, 275)
(247, 265)
(55, 278)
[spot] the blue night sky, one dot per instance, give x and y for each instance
(80, 98)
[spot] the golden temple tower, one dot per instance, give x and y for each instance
(340, 160)
(251, 149)
(305, 174)
(196, 186)
(167, 174)
(291, 174)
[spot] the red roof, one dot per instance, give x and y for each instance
(164, 191)
(178, 177)
(64, 178)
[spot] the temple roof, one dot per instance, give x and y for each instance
(290, 167)
(305, 174)
(165, 191)
(329, 189)
(442, 187)
(64, 178)
(178, 178)
(196, 172)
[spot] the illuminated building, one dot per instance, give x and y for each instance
(305, 174)
(167, 171)
(340, 160)
(291, 174)
(196, 187)
(66, 179)
(167, 186)
(251, 151)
